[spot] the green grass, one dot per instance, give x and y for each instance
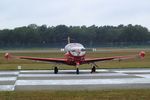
(135, 94)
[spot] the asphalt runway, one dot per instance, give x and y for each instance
(68, 80)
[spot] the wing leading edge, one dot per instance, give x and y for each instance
(54, 60)
(91, 60)
(87, 60)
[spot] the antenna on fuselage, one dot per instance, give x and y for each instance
(69, 40)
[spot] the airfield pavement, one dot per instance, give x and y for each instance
(68, 80)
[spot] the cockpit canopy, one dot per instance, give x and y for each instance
(76, 49)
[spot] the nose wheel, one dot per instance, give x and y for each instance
(55, 70)
(77, 71)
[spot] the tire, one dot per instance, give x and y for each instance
(77, 71)
(93, 69)
(55, 70)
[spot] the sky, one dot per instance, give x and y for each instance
(17, 13)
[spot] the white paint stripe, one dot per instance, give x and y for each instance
(26, 71)
(133, 71)
(7, 87)
(143, 75)
(9, 72)
(8, 78)
(71, 75)
(83, 82)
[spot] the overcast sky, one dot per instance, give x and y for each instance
(16, 13)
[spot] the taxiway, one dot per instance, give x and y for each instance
(69, 80)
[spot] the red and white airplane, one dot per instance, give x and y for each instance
(75, 55)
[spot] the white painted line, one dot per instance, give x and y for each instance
(7, 87)
(39, 75)
(9, 72)
(143, 75)
(132, 71)
(30, 71)
(71, 75)
(8, 78)
(84, 82)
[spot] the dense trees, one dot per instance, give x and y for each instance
(37, 36)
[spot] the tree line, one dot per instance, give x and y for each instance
(91, 36)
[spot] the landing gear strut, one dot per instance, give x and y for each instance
(77, 71)
(55, 70)
(93, 70)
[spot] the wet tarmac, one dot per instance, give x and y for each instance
(69, 80)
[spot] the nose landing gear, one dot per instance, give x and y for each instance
(77, 67)
(77, 71)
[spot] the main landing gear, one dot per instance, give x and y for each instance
(55, 70)
(93, 70)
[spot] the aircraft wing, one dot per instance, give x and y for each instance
(91, 60)
(54, 60)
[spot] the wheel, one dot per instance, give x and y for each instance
(55, 70)
(77, 71)
(93, 69)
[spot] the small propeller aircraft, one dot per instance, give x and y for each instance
(75, 55)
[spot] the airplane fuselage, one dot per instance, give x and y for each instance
(75, 53)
